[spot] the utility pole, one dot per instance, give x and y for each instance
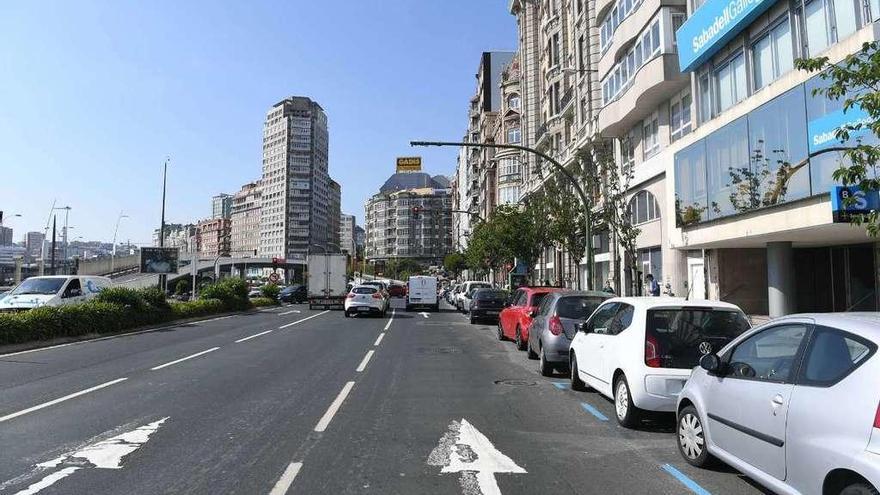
(588, 213)
(162, 277)
(115, 231)
(53, 245)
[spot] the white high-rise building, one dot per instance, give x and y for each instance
(298, 198)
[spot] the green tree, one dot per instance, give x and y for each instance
(455, 263)
(856, 81)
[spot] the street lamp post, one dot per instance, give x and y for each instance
(115, 232)
(163, 277)
(588, 245)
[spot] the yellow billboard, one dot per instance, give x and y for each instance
(409, 164)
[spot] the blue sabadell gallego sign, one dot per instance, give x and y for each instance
(711, 26)
(822, 132)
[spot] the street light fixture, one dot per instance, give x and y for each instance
(115, 231)
(163, 277)
(588, 247)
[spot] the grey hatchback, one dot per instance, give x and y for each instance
(553, 326)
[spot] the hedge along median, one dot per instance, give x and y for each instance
(119, 309)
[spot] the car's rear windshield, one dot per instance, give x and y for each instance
(364, 290)
(683, 335)
(490, 294)
(537, 298)
(577, 307)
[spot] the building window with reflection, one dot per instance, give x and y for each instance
(772, 53)
(513, 102)
(514, 135)
(643, 208)
(680, 116)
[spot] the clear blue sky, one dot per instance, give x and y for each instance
(94, 95)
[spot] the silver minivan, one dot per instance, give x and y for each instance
(53, 290)
(793, 404)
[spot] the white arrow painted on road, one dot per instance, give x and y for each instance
(424, 315)
(463, 449)
(106, 454)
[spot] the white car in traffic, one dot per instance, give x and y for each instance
(366, 300)
(639, 351)
(53, 290)
(792, 404)
(463, 299)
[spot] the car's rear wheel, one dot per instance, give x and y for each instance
(692, 437)
(859, 488)
(628, 415)
(576, 382)
(472, 318)
(529, 352)
(347, 314)
(500, 331)
(520, 345)
(544, 366)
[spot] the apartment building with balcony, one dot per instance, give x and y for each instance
(245, 213)
(410, 217)
(506, 167)
(212, 237)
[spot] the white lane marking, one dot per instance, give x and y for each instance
(106, 454)
(286, 479)
(216, 319)
(48, 481)
(290, 312)
(388, 325)
(183, 359)
(331, 411)
(463, 449)
(304, 319)
(366, 360)
(60, 399)
(379, 339)
(253, 336)
(424, 315)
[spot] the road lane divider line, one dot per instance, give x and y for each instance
(595, 412)
(685, 480)
(215, 319)
(286, 479)
(366, 360)
(183, 359)
(60, 399)
(334, 407)
(379, 339)
(253, 336)
(388, 325)
(289, 312)
(282, 327)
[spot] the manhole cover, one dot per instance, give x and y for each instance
(515, 382)
(437, 350)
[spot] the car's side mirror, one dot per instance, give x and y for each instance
(710, 363)
(583, 327)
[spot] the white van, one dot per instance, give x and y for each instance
(55, 290)
(422, 292)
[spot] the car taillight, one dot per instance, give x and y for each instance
(376, 295)
(877, 417)
(350, 295)
(652, 356)
(556, 325)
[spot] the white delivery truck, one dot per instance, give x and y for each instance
(327, 281)
(422, 292)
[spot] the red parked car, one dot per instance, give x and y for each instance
(395, 290)
(515, 320)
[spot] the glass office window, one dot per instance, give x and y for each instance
(762, 57)
(730, 83)
(816, 24)
(727, 170)
(705, 97)
(778, 142)
(875, 10)
(772, 54)
(690, 184)
(845, 20)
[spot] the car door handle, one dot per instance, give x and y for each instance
(776, 403)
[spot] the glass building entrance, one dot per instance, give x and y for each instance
(841, 278)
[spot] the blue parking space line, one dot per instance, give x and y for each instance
(561, 385)
(595, 412)
(684, 480)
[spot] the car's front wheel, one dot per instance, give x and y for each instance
(544, 366)
(500, 331)
(628, 415)
(472, 318)
(860, 488)
(520, 345)
(692, 437)
(347, 314)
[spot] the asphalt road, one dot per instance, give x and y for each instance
(310, 402)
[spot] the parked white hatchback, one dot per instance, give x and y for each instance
(793, 404)
(639, 351)
(366, 299)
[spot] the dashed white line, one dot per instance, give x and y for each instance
(378, 339)
(253, 336)
(334, 407)
(388, 325)
(183, 359)
(366, 360)
(60, 399)
(304, 319)
(286, 479)
(289, 312)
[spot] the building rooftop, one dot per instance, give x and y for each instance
(413, 180)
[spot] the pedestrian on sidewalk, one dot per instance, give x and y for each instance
(608, 287)
(653, 286)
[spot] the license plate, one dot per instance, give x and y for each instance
(363, 308)
(415, 299)
(492, 313)
(326, 301)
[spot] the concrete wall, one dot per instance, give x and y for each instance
(101, 266)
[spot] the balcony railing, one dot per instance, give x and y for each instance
(566, 99)
(542, 129)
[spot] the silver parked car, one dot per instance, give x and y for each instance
(793, 404)
(553, 326)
